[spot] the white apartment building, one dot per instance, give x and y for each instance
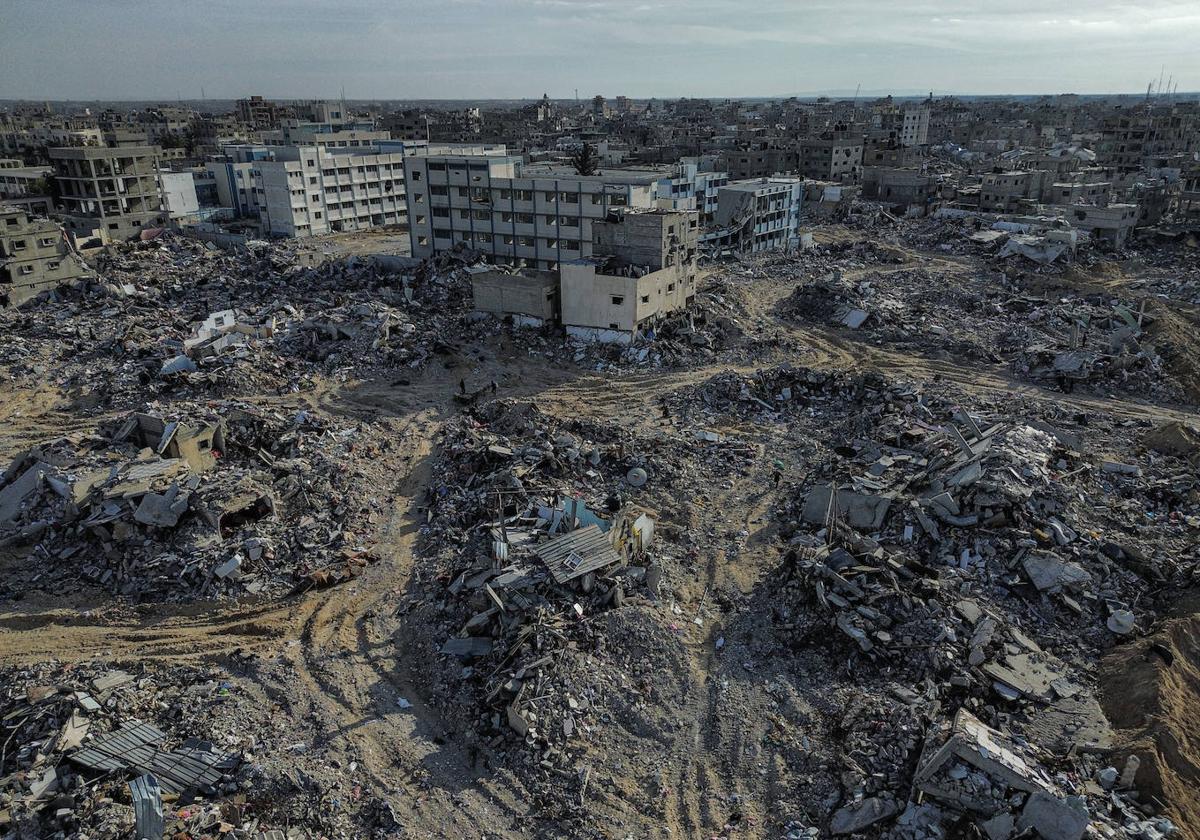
(306, 191)
(537, 215)
(759, 214)
(914, 128)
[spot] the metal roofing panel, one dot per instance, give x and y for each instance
(577, 553)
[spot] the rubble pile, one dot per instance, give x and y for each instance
(200, 502)
(96, 751)
(975, 566)
(1063, 337)
(537, 530)
(174, 318)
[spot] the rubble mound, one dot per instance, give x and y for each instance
(544, 539)
(200, 502)
(93, 751)
(175, 319)
(776, 390)
(961, 557)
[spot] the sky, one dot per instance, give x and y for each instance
(482, 49)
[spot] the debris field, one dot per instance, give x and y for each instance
(867, 543)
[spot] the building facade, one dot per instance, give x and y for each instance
(113, 190)
(304, 191)
(34, 256)
(536, 216)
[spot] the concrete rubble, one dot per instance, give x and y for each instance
(227, 499)
(921, 576)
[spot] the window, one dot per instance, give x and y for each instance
(441, 213)
(527, 241)
(46, 242)
(436, 190)
(569, 197)
(315, 197)
(27, 269)
(437, 167)
(484, 237)
(441, 234)
(670, 287)
(523, 195)
(645, 298)
(464, 214)
(422, 240)
(312, 179)
(317, 214)
(420, 220)
(552, 220)
(550, 196)
(19, 244)
(568, 221)
(551, 243)
(524, 218)
(416, 176)
(618, 300)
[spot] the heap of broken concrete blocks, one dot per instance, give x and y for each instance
(961, 553)
(537, 529)
(91, 750)
(177, 319)
(193, 503)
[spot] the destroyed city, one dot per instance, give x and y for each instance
(599, 420)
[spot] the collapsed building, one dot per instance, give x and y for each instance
(35, 256)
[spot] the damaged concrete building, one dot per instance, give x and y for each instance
(642, 267)
(112, 191)
(34, 256)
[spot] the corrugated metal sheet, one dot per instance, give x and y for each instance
(577, 553)
(135, 747)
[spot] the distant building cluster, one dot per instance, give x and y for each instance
(527, 186)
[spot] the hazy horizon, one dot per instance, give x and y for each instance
(517, 49)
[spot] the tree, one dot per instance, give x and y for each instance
(586, 161)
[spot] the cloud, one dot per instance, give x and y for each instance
(507, 48)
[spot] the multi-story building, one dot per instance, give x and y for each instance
(642, 268)
(911, 191)
(834, 157)
(179, 195)
(113, 190)
(537, 215)
(258, 113)
(761, 160)
(17, 179)
(1109, 225)
(306, 191)
(34, 256)
(1004, 192)
(1187, 209)
(1132, 139)
(761, 214)
(325, 135)
(914, 126)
